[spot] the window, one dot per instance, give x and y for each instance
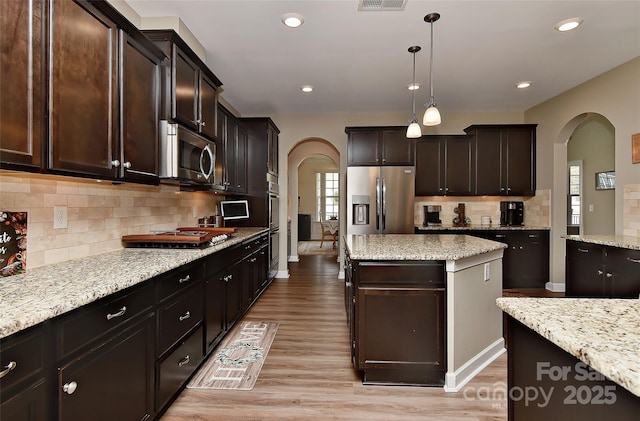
(574, 203)
(327, 195)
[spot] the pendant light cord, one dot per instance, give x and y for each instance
(431, 67)
(413, 91)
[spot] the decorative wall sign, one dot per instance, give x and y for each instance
(13, 243)
(635, 148)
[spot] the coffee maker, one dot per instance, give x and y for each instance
(432, 215)
(511, 213)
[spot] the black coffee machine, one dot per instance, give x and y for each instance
(432, 215)
(512, 213)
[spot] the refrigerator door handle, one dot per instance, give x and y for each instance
(384, 202)
(378, 203)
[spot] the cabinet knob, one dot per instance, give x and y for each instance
(8, 368)
(600, 272)
(127, 164)
(609, 275)
(115, 163)
(203, 124)
(69, 388)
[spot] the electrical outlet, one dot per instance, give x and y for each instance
(590, 208)
(487, 271)
(59, 217)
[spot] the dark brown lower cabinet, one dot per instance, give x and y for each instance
(400, 322)
(112, 380)
(538, 391)
(598, 271)
(29, 405)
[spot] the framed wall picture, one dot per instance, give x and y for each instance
(13, 243)
(635, 148)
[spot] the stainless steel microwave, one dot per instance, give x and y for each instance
(185, 156)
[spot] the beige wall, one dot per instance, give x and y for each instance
(613, 95)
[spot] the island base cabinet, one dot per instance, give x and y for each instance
(112, 381)
(547, 383)
(399, 317)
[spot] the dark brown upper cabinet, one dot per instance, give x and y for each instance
(190, 88)
(445, 165)
(22, 83)
(379, 146)
(505, 159)
(263, 131)
(104, 95)
(83, 117)
(232, 146)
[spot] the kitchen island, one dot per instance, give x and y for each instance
(421, 308)
(573, 358)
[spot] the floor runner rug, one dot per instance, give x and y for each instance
(237, 361)
(312, 247)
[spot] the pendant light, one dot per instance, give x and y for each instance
(414, 131)
(432, 115)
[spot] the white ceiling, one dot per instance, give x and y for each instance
(358, 61)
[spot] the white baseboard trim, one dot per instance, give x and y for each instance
(555, 286)
(282, 274)
(293, 258)
(454, 382)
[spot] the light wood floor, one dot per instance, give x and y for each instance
(307, 374)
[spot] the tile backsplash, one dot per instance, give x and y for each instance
(98, 214)
(537, 209)
(631, 210)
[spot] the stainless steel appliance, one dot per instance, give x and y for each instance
(511, 213)
(273, 192)
(185, 156)
(432, 215)
(380, 200)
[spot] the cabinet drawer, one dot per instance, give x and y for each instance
(179, 280)
(178, 317)
(89, 323)
(579, 250)
(399, 273)
(625, 259)
(178, 367)
(21, 356)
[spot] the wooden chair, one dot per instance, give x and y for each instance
(328, 232)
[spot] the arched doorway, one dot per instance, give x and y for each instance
(591, 176)
(303, 150)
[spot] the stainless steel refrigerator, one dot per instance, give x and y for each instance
(380, 200)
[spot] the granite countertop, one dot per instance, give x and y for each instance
(622, 241)
(608, 339)
(479, 227)
(42, 293)
(417, 247)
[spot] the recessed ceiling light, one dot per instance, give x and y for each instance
(306, 88)
(568, 24)
(524, 84)
(292, 20)
(413, 87)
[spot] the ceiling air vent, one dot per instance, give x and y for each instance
(381, 5)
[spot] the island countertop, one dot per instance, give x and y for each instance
(42, 293)
(621, 241)
(417, 247)
(603, 333)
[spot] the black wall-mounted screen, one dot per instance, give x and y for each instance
(234, 209)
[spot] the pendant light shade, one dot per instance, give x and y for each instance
(432, 115)
(414, 131)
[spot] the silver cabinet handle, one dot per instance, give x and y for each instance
(253, 260)
(600, 272)
(533, 235)
(583, 250)
(118, 314)
(185, 279)
(609, 275)
(115, 163)
(183, 361)
(500, 235)
(185, 316)
(203, 124)
(633, 260)
(127, 164)
(8, 368)
(69, 388)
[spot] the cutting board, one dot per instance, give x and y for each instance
(168, 238)
(210, 230)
